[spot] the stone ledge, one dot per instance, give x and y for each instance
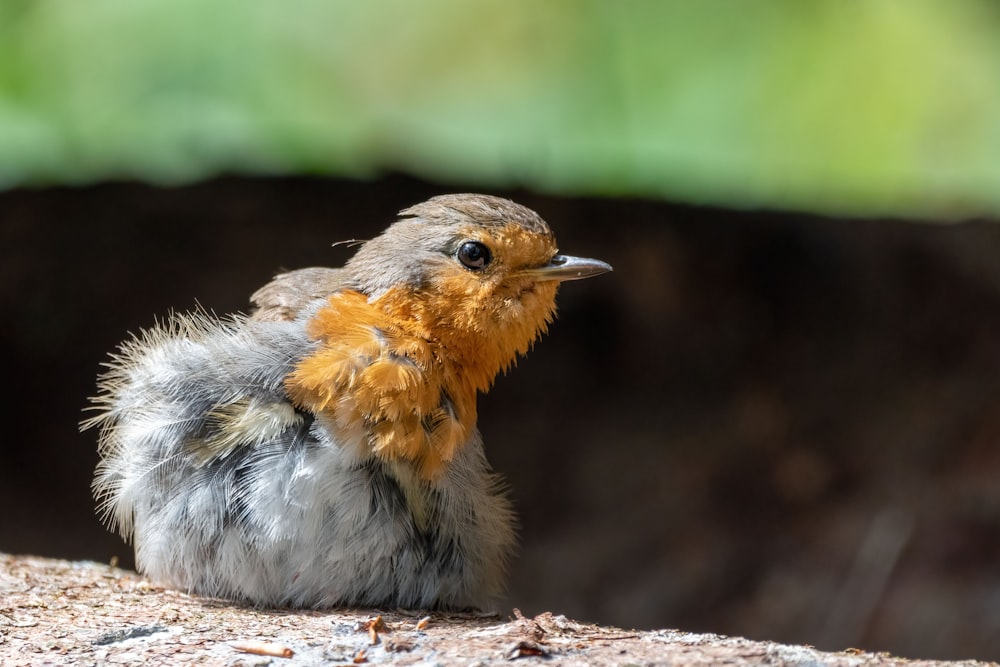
(83, 613)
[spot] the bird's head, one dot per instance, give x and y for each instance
(481, 272)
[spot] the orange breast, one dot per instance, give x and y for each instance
(381, 379)
(398, 376)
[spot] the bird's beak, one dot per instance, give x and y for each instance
(567, 267)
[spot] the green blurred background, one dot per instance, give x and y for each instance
(790, 391)
(885, 107)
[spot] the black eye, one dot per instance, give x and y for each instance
(474, 255)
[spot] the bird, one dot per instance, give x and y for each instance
(322, 450)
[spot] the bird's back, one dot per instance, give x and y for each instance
(288, 294)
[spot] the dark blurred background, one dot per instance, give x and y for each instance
(779, 417)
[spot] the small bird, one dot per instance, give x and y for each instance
(323, 450)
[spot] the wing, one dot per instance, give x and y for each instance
(286, 295)
(184, 397)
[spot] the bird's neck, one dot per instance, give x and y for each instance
(398, 377)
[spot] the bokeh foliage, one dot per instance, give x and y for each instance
(875, 107)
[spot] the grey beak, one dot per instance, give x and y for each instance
(567, 267)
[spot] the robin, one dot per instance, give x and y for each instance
(323, 450)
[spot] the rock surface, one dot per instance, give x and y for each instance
(83, 613)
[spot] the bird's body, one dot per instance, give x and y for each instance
(323, 451)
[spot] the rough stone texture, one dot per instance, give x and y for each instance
(83, 613)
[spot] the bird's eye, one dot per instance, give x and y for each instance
(474, 255)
